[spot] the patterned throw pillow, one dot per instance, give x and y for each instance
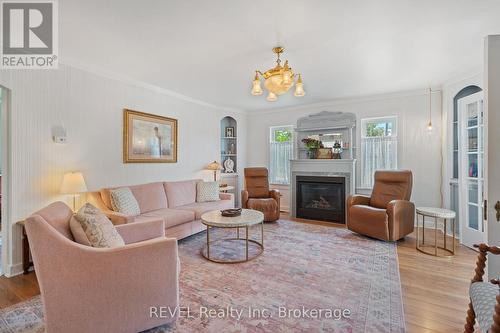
(79, 234)
(207, 191)
(123, 201)
(98, 228)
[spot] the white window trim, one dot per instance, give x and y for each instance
(271, 139)
(362, 136)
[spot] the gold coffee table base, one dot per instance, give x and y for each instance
(205, 251)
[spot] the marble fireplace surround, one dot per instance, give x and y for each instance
(321, 168)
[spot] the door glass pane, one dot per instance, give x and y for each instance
(472, 165)
(472, 139)
(473, 223)
(473, 192)
(472, 114)
(481, 175)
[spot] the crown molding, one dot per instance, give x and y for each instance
(95, 70)
(351, 99)
(468, 76)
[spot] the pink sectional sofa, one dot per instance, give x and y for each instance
(174, 203)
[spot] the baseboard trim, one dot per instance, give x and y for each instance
(285, 209)
(14, 270)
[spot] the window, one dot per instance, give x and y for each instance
(281, 153)
(378, 147)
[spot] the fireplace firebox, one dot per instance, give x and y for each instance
(321, 198)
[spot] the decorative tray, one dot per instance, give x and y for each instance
(231, 212)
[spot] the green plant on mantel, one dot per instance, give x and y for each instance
(311, 143)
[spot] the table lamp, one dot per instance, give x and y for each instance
(74, 184)
(215, 166)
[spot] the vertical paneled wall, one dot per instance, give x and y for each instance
(90, 107)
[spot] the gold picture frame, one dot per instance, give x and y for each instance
(148, 138)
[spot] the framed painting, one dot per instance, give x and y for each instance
(148, 138)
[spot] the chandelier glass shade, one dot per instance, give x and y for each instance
(277, 80)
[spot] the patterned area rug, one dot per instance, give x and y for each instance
(310, 278)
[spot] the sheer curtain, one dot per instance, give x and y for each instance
(378, 153)
(279, 168)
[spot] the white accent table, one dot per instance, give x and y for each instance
(436, 214)
(248, 217)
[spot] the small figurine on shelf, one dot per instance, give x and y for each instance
(337, 150)
(228, 165)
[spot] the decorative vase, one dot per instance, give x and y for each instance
(311, 153)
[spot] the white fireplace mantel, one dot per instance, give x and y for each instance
(322, 168)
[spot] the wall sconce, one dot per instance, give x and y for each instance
(59, 134)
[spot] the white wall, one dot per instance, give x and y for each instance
(418, 149)
(91, 106)
(492, 103)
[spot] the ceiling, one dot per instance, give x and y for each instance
(208, 50)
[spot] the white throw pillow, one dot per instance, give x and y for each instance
(123, 201)
(207, 191)
(98, 228)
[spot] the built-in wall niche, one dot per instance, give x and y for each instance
(229, 145)
(229, 157)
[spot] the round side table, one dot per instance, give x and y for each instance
(436, 214)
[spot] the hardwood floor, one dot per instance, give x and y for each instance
(434, 289)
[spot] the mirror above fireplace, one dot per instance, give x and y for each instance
(335, 130)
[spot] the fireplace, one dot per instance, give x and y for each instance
(320, 198)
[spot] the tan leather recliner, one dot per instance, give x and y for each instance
(258, 196)
(388, 214)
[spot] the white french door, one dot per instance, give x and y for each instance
(471, 169)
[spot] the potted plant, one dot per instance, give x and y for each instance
(312, 145)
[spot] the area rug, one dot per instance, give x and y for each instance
(310, 278)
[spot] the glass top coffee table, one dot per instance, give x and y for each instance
(248, 217)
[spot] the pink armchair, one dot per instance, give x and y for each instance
(86, 289)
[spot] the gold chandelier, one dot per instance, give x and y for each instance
(278, 80)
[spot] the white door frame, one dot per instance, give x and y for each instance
(492, 118)
(473, 236)
(6, 188)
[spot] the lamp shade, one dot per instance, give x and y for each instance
(73, 183)
(214, 166)
(271, 97)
